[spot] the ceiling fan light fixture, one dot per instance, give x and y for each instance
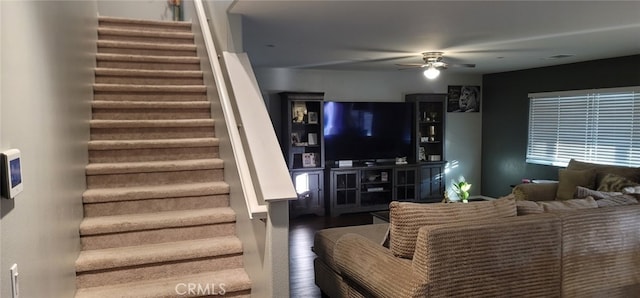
(431, 72)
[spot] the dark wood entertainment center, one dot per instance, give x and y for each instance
(326, 189)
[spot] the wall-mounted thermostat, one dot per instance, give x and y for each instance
(11, 173)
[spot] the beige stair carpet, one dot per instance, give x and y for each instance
(157, 217)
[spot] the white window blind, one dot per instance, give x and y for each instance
(601, 126)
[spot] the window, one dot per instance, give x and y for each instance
(600, 126)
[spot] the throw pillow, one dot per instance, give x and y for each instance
(568, 180)
(583, 192)
(406, 219)
(612, 182)
(572, 204)
(620, 200)
(606, 199)
(601, 170)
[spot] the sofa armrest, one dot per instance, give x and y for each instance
(536, 191)
(372, 267)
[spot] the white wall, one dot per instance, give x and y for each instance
(139, 9)
(463, 132)
(48, 54)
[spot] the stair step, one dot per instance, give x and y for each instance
(144, 35)
(106, 104)
(151, 123)
(235, 282)
(109, 258)
(160, 198)
(150, 96)
(111, 151)
(150, 110)
(148, 62)
(153, 166)
(148, 88)
(191, 48)
(101, 71)
(105, 21)
(152, 144)
(155, 221)
(154, 192)
(147, 58)
(152, 261)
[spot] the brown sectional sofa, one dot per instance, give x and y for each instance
(581, 253)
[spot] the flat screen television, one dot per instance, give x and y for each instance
(367, 131)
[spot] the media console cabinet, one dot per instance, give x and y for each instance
(372, 188)
(324, 189)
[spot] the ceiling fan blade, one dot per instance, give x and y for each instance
(411, 64)
(409, 68)
(467, 65)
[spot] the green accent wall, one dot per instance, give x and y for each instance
(506, 110)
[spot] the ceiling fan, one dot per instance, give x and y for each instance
(433, 61)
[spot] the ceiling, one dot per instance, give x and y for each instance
(497, 36)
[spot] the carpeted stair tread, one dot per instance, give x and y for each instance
(152, 144)
(116, 104)
(147, 58)
(145, 33)
(148, 88)
(154, 221)
(98, 123)
(108, 258)
(101, 195)
(234, 280)
(153, 166)
(105, 71)
(146, 45)
(184, 24)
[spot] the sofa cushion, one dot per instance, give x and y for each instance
(569, 179)
(325, 240)
(525, 207)
(612, 182)
(531, 207)
(630, 173)
(606, 199)
(567, 205)
(407, 218)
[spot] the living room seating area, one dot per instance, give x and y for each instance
(578, 237)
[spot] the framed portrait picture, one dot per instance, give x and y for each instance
(312, 138)
(295, 138)
(308, 160)
(299, 112)
(312, 117)
(463, 99)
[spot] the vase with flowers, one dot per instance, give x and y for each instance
(462, 190)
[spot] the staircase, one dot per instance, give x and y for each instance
(157, 217)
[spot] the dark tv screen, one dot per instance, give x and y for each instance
(365, 131)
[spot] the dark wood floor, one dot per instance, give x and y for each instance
(301, 231)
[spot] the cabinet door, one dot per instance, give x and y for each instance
(310, 200)
(344, 189)
(405, 184)
(432, 182)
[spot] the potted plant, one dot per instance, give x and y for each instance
(462, 190)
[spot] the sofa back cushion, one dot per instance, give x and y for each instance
(600, 252)
(407, 218)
